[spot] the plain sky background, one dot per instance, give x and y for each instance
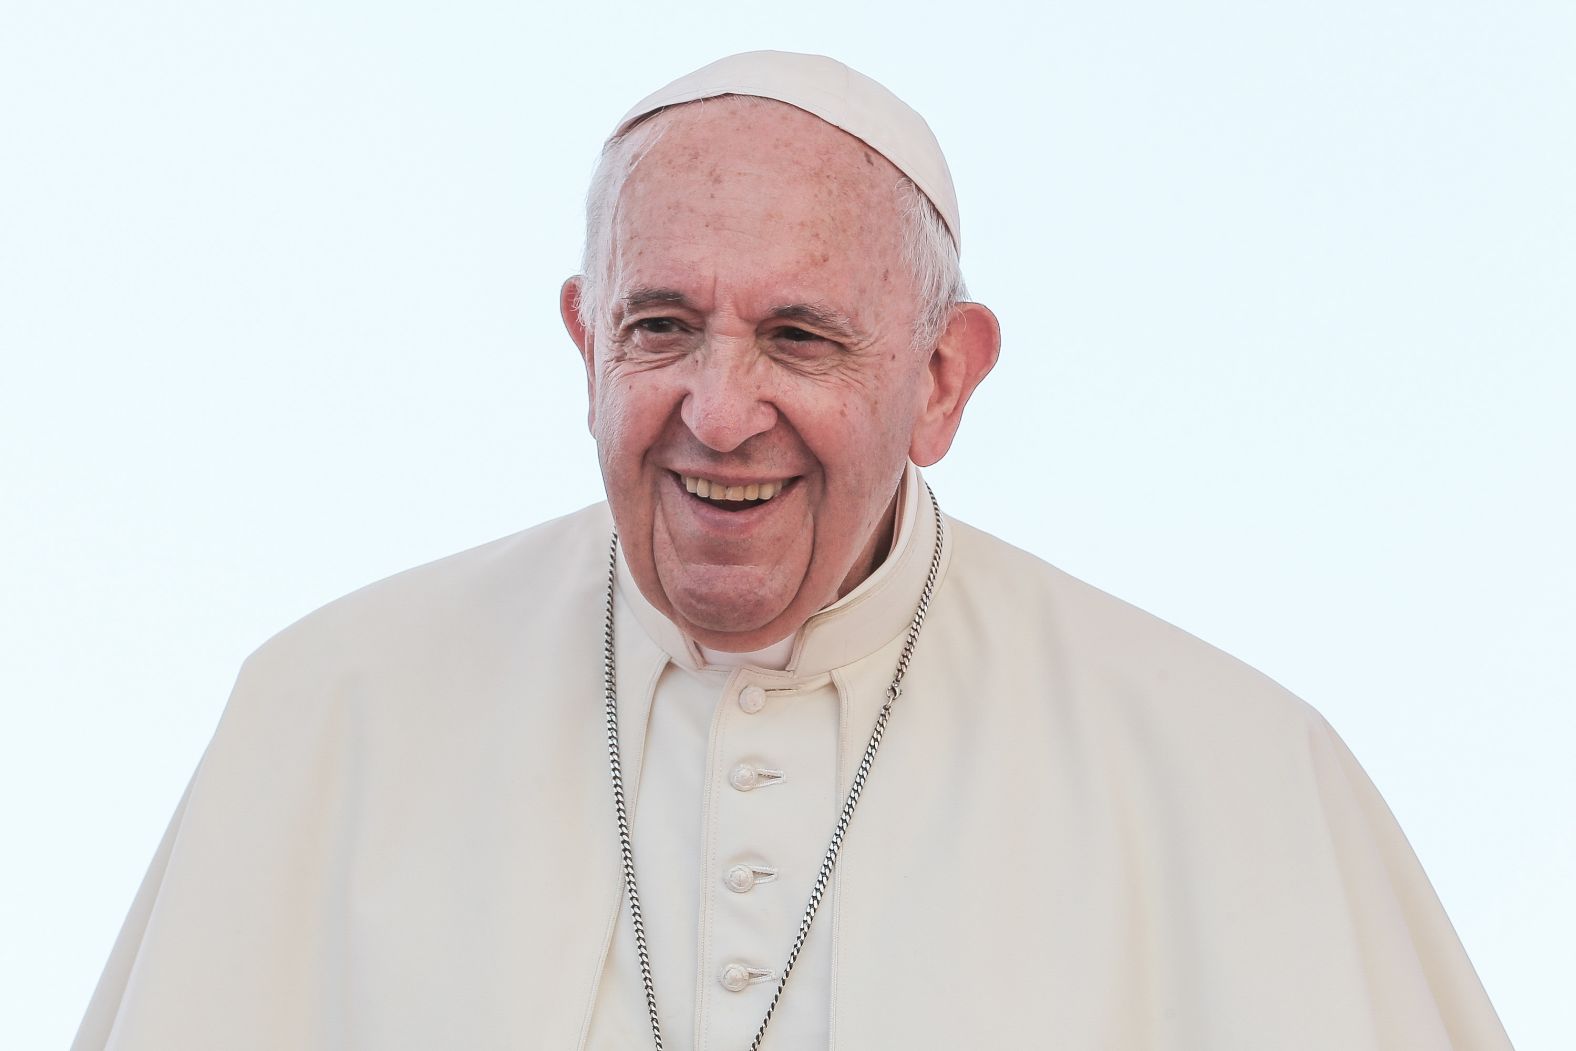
(1286, 291)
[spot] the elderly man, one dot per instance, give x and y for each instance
(792, 759)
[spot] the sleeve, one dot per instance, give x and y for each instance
(98, 1024)
(233, 940)
(1416, 969)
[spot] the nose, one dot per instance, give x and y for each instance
(727, 403)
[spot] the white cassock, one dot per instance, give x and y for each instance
(1085, 829)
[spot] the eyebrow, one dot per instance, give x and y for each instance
(840, 325)
(640, 298)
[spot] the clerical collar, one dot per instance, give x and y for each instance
(854, 626)
(773, 657)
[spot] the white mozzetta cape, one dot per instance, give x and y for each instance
(1085, 829)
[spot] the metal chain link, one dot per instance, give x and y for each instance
(626, 846)
(829, 862)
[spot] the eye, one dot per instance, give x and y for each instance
(797, 335)
(658, 326)
(804, 347)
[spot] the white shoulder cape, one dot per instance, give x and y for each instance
(1088, 830)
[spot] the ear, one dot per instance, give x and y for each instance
(962, 357)
(569, 310)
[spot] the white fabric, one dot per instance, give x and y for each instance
(692, 827)
(774, 656)
(1085, 829)
(838, 95)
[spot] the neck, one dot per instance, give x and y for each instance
(876, 549)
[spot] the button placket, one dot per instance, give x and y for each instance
(766, 728)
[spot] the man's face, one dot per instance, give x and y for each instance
(758, 341)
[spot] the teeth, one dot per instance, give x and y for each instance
(709, 490)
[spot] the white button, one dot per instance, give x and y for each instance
(752, 699)
(746, 778)
(737, 976)
(740, 878)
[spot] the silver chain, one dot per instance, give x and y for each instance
(861, 775)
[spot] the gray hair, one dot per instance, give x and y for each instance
(928, 249)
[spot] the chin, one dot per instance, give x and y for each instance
(727, 615)
(727, 600)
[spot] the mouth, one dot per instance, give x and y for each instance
(734, 495)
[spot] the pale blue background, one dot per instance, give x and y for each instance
(1286, 290)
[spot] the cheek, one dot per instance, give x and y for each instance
(629, 418)
(884, 415)
(864, 437)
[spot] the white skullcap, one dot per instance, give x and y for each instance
(842, 97)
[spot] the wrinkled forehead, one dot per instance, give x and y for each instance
(827, 89)
(739, 170)
(711, 141)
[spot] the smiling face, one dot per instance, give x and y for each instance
(756, 345)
